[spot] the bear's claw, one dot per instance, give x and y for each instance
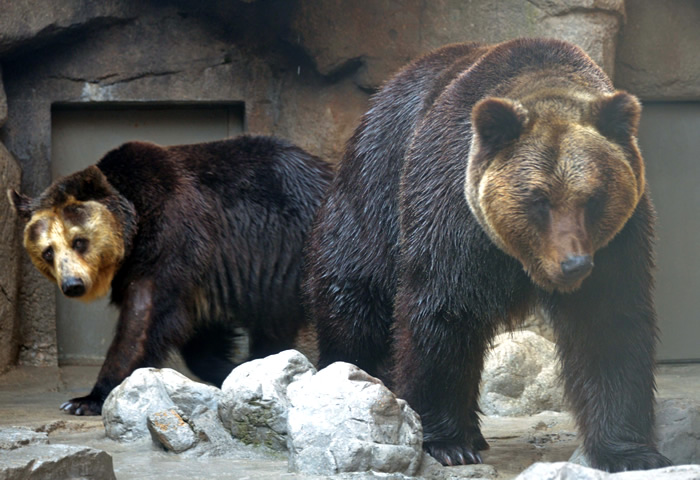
(87, 406)
(626, 457)
(451, 455)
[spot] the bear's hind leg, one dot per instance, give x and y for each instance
(208, 352)
(353, 325)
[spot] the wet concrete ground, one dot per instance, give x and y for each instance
(30, 396)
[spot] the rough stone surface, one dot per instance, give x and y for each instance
(388, 34)
(10, 251)
(18, 437)
(538, 323)
(254, 403)
(49, 462)
(213, 439)
(431, 469)
(521, 376)
(657, 56)
(169, 429)
(344, 420)
(150, 390)
(678, 429)
(34, 22)
(571, 471)
(3, 101)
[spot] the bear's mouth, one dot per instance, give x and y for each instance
(563, 277)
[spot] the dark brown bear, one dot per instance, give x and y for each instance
(483, 181)
(194, 240)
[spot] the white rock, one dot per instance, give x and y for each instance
(212, 437)
(344, 420)
(571, 471)
(47, 462)
(521, 376)
(678, 429)
(254, 403)
(150, 390)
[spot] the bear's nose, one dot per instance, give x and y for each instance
(73, 287)
(576, 267)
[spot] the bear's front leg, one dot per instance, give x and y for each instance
(437, 370)
(134, 346)
(608, 376)
(606, 336)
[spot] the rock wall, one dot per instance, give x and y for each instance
(303, 70)
(657, 57)
(9, 249)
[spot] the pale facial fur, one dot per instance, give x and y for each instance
(77, 245)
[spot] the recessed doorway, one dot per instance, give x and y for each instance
(669, 140)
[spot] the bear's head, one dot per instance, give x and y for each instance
(75, 232)
(553, 177)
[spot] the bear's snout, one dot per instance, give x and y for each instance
(73, 287)
(576, 267)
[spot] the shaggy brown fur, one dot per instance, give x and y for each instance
(484, 181)
(194, 241)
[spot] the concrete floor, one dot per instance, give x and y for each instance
(30, 396)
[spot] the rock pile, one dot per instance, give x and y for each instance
(337, 420)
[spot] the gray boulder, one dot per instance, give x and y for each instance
(521, 376)
(49, 462)
(344, 420)
(27, 455)
(254, 403)
(213, 439)
(571, 471)
(678, 429)
(151, 390)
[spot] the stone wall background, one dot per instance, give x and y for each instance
(304, 69)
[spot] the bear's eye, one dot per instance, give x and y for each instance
(80, 245)
(539, 208)
(595, 206)
(47, 255)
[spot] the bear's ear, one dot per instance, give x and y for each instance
(497, 121)
(617, 116)
(87, 184)
(21, 204)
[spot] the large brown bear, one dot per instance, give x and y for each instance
(485, 180)
(194, 240)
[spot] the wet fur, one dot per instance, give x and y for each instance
(205, 238)
(409, 282)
